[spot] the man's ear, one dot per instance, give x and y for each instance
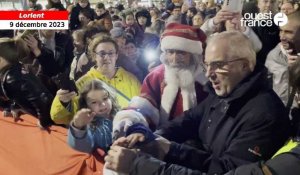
(245, 65)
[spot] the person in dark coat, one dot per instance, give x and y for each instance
(287, 160)
(61, 45)
(143, 20)
(101, 12)
(268, 35)
(41, 61)
(74, 20)
(19, 88)
(241, 121)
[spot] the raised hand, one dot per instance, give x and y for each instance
(65, 96)
(83, 117)
(292, 58)
(32, 43)
(223, 15)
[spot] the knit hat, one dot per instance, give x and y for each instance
(183, 37)
(117, 32)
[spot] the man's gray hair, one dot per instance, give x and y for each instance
(238, 46)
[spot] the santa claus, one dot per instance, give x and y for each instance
(173, 87)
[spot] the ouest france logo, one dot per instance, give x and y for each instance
(263, 19)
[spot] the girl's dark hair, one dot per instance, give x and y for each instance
(100, 5)
(58, 5)
(116, 18)
(13, 50)
(145, 13)
(87, 13)
(99, 85)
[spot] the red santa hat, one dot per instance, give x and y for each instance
(183, 37)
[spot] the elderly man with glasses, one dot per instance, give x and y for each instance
(241, 121)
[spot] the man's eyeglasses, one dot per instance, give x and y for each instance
(103, 54)
(172, 51)
(220, 64)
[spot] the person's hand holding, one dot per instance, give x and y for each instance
(120, 159)
(120, 127)
(134, 138)
(130, 141)
(122, 141)
(158, 148)
(32, 43)
(223, 15)
(292, 58)
(236, 22)
(83, 117)
(65, 96)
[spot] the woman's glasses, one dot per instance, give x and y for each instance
(104, 54)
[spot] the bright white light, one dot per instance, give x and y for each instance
(150, 55)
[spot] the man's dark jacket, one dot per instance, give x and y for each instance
(23, 89)
(269, 37)
(287, 163)
(63, 51)
(247, 126)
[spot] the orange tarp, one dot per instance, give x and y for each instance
(27, 150)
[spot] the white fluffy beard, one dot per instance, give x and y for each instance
(184, 76)
(180, 77)
(175, 78)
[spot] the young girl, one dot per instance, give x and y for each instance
(91, 127)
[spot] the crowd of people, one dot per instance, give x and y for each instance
(181, 88)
